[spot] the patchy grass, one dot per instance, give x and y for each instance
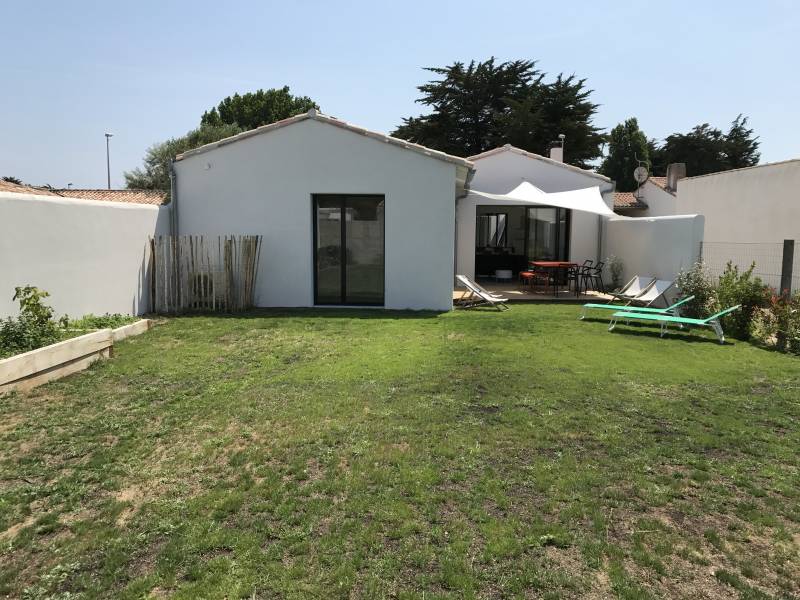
(348, 454)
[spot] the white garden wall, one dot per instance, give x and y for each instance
(754, 205)
(90, 256)
(658, 246)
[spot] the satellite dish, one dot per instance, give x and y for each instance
(640, 174)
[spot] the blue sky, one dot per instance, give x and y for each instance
(146, 71)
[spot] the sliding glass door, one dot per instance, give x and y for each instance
(548, 237)
(348, 249)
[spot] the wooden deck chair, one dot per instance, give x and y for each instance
(478, 296)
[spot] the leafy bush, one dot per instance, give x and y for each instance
(740, 288)
(778, 325)
(33, 328)
(107, 320)
(697, 282)
(615, 266)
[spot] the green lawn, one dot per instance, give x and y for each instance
(348, 454)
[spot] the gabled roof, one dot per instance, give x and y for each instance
(628, 201)
(550, 161)
(318, 116)
(156, 197)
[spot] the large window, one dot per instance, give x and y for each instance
(492, 230)
(548, 237)
(348, 249)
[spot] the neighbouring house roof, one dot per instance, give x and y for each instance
(318, 116)
(550, 161)
(628, 201)
(156, 197)
(662, 183)
(7, 186)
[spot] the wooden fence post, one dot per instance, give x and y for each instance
(787, 267)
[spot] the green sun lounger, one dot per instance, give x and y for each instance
(672, 309)
(664, 320)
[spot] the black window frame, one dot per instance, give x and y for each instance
(343, 256)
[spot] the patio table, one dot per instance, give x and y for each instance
(557, 266)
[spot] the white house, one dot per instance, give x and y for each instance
(348, 216)
(495, 235)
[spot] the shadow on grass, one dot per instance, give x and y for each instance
(311, 313)
(682, 336)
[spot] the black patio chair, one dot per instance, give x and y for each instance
(593, 278)
(575, 275)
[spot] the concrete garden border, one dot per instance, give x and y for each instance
(30, 369)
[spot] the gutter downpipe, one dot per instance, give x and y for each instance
(467, 182)
(175, 228)
(600, 225)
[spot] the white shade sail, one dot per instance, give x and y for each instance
(586, 200)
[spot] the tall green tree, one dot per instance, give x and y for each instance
(741, 147)
(483, 105)
(154, 173)
(258, 108)
(706, 149)
(626, 144)
(233, 115)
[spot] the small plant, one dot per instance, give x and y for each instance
(33, 328)
(107, 320)
(697, 282)
(740, 288)
(615, 265)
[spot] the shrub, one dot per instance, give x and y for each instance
(697, 282)
(33, 328)
(615, 265)
(740, 288)
(778, 325)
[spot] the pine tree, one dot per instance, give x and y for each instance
(486, 104)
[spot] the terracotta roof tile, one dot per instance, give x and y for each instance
(7, 186)
(627, 201)
(133, 196)
(659, 181)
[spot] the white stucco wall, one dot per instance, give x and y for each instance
(91, 256)
(660, 203)
(660, 246)
(500, 173)
(264, 185)
(759, 204)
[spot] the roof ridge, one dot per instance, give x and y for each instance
(318, 116)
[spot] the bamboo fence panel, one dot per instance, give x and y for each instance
(198, 273)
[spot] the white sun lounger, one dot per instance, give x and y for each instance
(634, 288)
(478, 296)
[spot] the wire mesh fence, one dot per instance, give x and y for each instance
(767, 257)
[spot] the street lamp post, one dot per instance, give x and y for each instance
(108, 160)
